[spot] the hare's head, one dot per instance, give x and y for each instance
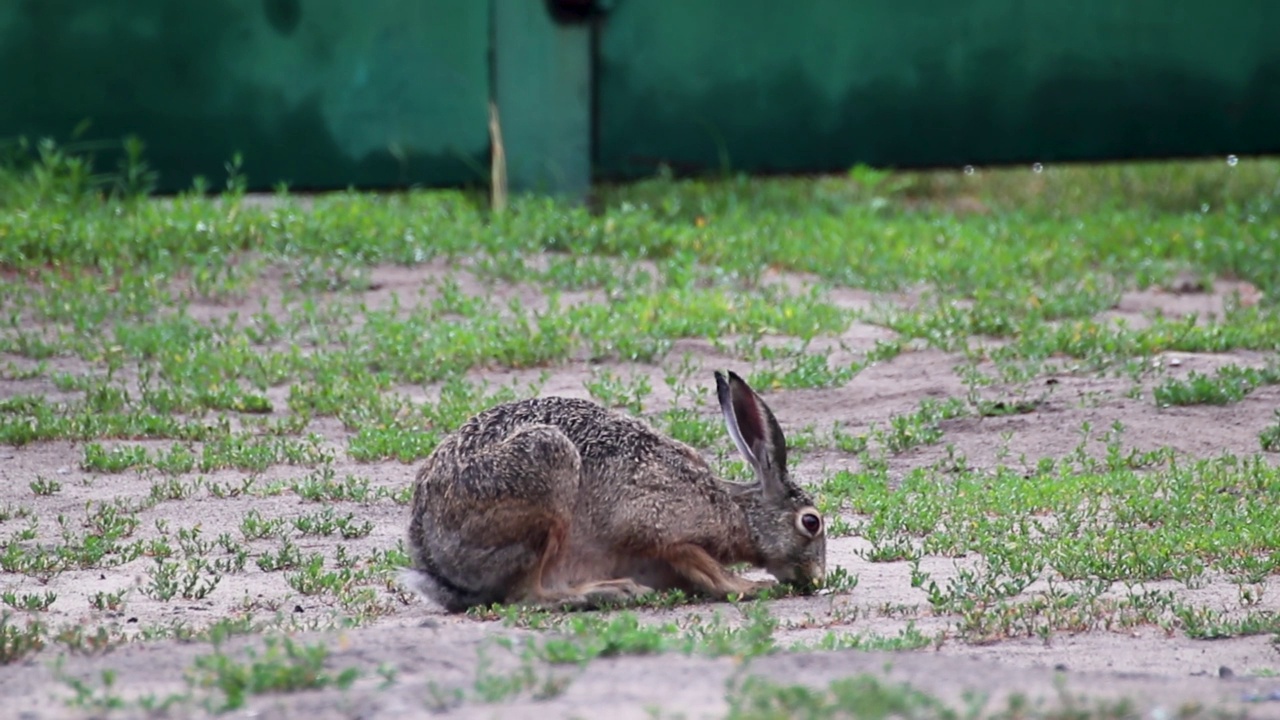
(788, 531)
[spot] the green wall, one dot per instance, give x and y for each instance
(316, 92)
(542, 85)
(823, 84)
(330, 93)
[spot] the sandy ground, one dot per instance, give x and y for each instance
(433, 653)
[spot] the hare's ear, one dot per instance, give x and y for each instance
(755, 431)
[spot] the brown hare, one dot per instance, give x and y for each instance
(560, 502)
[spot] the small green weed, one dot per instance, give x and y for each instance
(17, 642)
(282, 666)
(30, 602)
(45, 486)
(1229, 384)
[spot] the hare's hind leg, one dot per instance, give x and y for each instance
(499, 519)
(504, 523)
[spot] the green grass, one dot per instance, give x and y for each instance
(282, 666)
(867, 696)
(1270, 435)
(1228, 384)
(269, 361)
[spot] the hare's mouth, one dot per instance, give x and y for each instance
(807, 580)
(811, 578)
(811, 587)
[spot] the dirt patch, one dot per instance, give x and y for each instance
(434, 662)
(434, 653)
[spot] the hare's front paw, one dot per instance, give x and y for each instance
(747, 589)
(620, 590)
(596, 594)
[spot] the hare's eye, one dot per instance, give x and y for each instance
(811, 523)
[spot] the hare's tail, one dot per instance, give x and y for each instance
(426, 579)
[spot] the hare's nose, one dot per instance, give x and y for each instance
(818, 571)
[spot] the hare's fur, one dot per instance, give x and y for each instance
(561, 502)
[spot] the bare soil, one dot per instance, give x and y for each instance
(433, 652)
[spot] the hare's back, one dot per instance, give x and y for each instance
(604, 438)
(589, 426)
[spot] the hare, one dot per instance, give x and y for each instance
(560, 502)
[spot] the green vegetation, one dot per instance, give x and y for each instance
(245, 379)
(1229, 384)
(869, 697)
(284, 666)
